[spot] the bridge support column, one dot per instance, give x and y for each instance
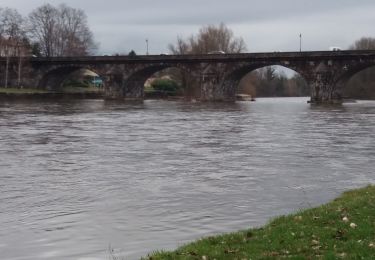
(113, 84)
(323, 87)
(118, 87)
(215, 89)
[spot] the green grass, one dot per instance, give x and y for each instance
(65, 89)
(319, 233)
(22, 91)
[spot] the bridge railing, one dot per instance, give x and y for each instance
(202, 57)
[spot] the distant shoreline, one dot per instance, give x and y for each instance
(41, 95)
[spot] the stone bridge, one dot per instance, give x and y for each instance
(216, 76)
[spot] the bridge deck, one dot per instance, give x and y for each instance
(236, 57)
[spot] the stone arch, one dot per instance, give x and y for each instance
(233, 77)
(348, 72)
(133, 84)
(54, 77)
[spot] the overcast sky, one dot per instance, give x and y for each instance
(268, 25)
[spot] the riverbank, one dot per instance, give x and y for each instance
(73, 92)
(343, 228)
(69, 92)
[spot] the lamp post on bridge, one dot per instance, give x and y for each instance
(300, 42)
(146, 46)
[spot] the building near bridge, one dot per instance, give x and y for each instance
(13, 48)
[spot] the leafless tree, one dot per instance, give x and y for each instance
(181, 47)
(12, 30)
(12, 37)
(61, 31)
(210, 38)
(42, 27)
(365, 43)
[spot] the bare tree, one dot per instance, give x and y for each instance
(61, 31)
(221, 38)
(210, 38)
(12, 30)
(12, 37)
(365, 43)
(42, 22)
(181, 47)
(76, 37)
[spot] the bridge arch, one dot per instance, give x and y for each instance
(233, 78)
(55, 76)
(352, 76)
(133, 84)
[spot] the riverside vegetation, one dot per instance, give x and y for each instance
(343, 228)
(70, 87)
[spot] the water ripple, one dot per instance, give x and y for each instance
(89, 174)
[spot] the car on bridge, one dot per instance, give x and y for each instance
(335, 48)
(216, 52)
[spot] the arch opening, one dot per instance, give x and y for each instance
(158, 82)
(358, 83)
(269, 81)
(72, 80)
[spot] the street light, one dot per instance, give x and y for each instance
(300, 42)
(146, 46)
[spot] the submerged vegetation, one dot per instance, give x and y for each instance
(341, 229)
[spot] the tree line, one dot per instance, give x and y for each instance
(47, 31)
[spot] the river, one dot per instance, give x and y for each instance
(81, 178)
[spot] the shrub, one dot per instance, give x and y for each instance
(165, 85)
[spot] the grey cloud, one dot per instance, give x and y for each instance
(122, 25)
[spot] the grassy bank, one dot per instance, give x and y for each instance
(21, 91)
(64, 90)
(341, 229)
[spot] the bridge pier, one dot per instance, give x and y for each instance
(216, 86)
(325, 94)
(118, 86)
(324, 89)
(214, 90)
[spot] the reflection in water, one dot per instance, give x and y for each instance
(85, 174)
